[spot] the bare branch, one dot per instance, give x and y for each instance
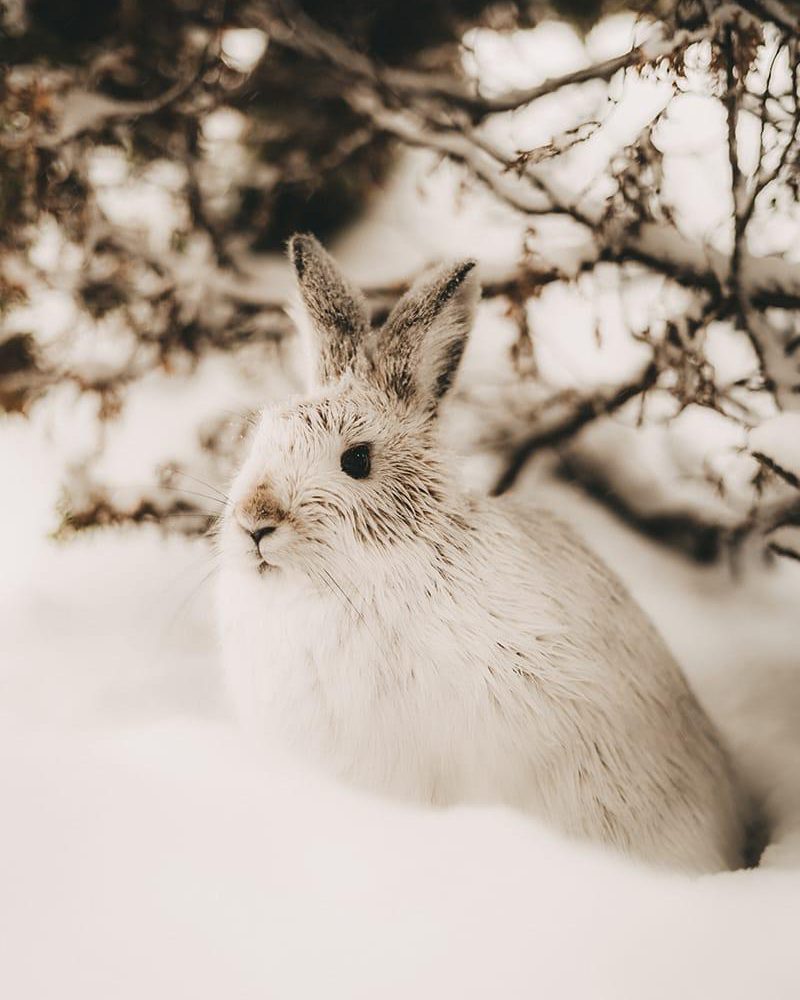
(772, 465)
(587, 410)
(773, 10)
(289, 26)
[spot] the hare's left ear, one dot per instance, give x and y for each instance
(336, 312)
(421, 345)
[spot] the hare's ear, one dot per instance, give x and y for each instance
(426, 333)
(336, 312)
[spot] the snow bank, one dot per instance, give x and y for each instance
(145, 851)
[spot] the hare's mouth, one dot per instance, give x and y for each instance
(265, 567)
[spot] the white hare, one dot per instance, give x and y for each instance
(417, 639)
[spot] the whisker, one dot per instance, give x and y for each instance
(189, 597)
(194, 493)
(159, 594)
(202, 482)
(211, 519)
(212, 560)
(184, 513)
(328, 578)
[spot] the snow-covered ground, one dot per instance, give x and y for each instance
(145, 850)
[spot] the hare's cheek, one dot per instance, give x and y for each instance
(246, 482)
(234, 542)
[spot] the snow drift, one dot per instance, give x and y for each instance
(146, 851)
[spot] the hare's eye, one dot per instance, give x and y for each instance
(356, 462)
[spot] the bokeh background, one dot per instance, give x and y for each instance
(628, 183)
(626, 177)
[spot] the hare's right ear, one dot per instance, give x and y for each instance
(336, 312)
(420, 346)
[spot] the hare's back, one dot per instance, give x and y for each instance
(631, 698)
(551, 554)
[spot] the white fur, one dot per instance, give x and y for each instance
(473, 650)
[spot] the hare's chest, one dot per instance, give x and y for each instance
(303, 671)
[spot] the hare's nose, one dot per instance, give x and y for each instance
(262, 532)
(259, 515)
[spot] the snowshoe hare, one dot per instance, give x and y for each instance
(413, 638)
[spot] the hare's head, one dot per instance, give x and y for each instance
(352, 468)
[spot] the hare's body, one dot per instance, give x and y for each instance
(493, 685)
(414, 639)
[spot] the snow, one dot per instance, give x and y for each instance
(148, 851)
(243, 47)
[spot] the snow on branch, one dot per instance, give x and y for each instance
(313, 119)
(448, 116)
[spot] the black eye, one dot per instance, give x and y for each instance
(355, 461)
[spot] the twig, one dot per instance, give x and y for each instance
(585, 412)
(785, 474)
(289, 26)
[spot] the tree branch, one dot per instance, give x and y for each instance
(587, 410)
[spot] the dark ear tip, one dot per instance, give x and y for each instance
(465, 267)
(301, 246)
(460, 271)
(455, 279)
